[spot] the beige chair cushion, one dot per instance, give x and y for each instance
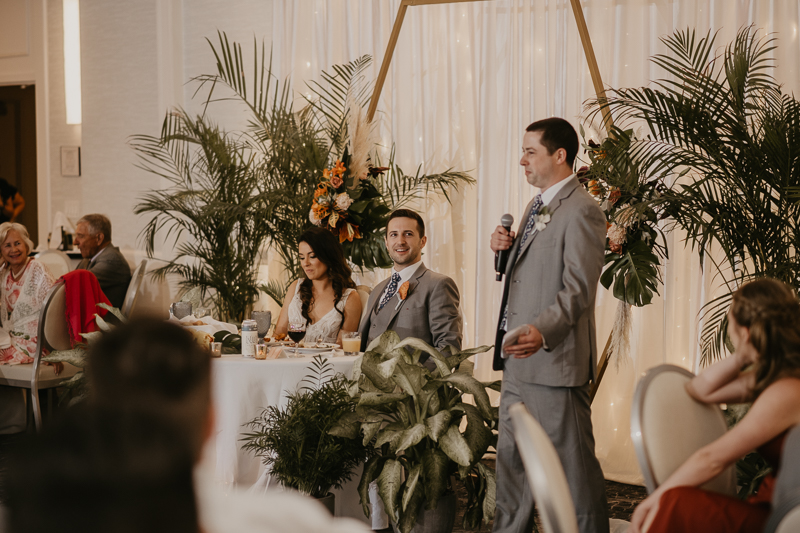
(56, 330)
(668, 426)
(56, 261)
(545, 473)
(363, 293)
(790, 522)
(20, 375)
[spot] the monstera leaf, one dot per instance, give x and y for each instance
(634, 274)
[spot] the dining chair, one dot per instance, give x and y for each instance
(785, 516)
(545, 473)
(668, 426)
(53, 335)
(363, 293)
(134, 288)
(56, 261)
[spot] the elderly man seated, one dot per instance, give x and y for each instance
(101, 258)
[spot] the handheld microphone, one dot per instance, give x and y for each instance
(501, 257)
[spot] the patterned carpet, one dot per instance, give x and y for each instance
(622, 499)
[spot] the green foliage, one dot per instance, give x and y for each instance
(213, 203)
(634, 247)
(291, 149)
(297, 443)
(412, 417)
(724, 137)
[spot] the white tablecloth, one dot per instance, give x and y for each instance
(241, 388)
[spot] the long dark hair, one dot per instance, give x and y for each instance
(770, 309)
(328, 250)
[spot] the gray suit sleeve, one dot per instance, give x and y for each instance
(584, 247)
(445, 315)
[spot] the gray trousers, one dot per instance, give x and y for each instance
(566, 416)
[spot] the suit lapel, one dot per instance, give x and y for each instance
(554, 204)
(392, 305)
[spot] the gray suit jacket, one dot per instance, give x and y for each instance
(112, 272)
(430, 311)
(551, 283)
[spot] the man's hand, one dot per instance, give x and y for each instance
(527, 344)
(501, 239)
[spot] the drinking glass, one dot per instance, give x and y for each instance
(181, 309)
(263, 321)
(261, 350)
(351, 342)
(296, 332)
(216, 349)
(201, 312)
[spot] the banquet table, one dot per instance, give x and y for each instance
(241, 388)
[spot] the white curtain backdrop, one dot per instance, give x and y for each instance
(466, 80)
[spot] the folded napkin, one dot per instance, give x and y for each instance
(209, 325)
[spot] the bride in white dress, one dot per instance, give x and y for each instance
(325, 300)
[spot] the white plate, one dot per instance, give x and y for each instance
(319, 347)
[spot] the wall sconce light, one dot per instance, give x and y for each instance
(72, 59)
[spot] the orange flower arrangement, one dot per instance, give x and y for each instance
(331, 203)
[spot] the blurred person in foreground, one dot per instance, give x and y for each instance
(95, 471)
(154, 366)
(101, 258)
(764, 327)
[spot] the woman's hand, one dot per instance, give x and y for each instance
(644, 514)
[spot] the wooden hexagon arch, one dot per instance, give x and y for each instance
(580, 20)
(597, 81)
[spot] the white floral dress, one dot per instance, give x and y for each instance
(326, 329)
(21, 299)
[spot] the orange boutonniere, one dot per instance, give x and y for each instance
(402, 292)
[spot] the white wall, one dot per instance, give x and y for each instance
(136, 58)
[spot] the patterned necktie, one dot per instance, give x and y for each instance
(537, 205)
(391, 289)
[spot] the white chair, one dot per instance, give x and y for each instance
(545, 473)
(668, 426)
(53, 335)
(56, 261)
(785, 517)
(363, 293)
(546, 476)
(133, 289)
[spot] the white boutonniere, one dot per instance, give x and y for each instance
(541, 219)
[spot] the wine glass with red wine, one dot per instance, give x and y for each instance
(297, 331)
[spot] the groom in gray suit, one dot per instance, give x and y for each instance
(550, 285)
(414, 301)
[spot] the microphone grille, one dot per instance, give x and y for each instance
(506, 220)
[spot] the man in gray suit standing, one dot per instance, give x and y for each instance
(551, 281)
(101, 258)
(414, 301)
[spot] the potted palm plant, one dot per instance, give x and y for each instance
(296, 443)
(719, 155)
(413, 419)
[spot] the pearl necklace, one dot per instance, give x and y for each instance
(16, 277)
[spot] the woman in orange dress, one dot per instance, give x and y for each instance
(764, 327)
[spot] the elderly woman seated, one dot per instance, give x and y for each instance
(24, 284)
